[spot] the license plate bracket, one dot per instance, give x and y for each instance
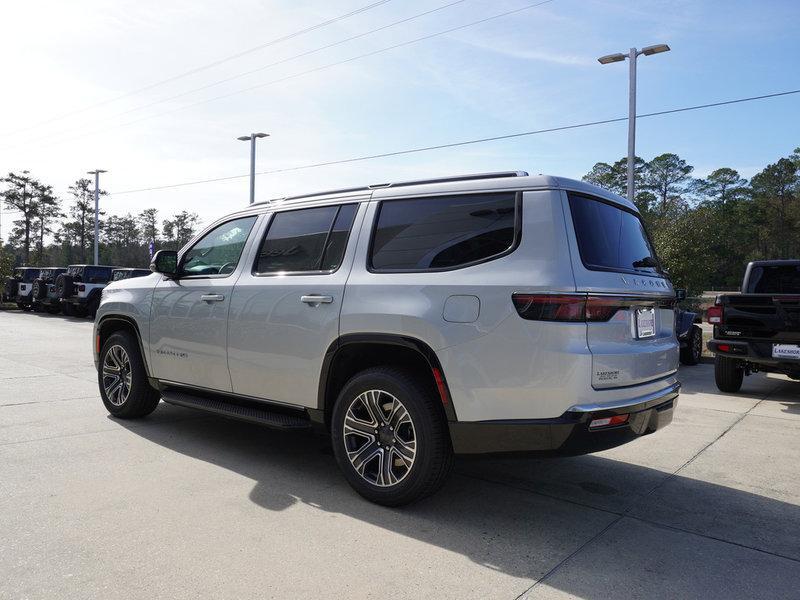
(645, 322)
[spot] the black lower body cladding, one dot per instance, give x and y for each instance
(569, 434)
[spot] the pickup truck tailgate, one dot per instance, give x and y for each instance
(773, 318)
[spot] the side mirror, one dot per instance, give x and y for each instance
(680, 294)
(165, 262)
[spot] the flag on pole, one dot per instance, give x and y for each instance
(152, 247)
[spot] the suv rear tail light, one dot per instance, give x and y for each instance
(546, 307)
(578, 307)
(715, 314)
(81, 288)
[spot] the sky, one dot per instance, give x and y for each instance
(78, 91)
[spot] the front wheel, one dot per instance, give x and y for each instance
(728, 373)
(124, 387)
(390, 436)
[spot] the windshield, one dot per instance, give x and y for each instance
(611, 238)
(774, 279)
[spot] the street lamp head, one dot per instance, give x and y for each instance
(261, 135)
(96, 171)
(611, 58)
(244, 138)
(656, 49)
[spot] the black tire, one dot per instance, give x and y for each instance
(22, 306)
(728, 373)
(141, 399)
(691, 354)
(433, 453)
(79, 310)
(93, 305)
(68, 309)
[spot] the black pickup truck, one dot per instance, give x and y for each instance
(758, 329)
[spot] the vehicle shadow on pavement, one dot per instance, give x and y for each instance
(514, 515)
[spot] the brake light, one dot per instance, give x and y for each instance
(715, 314)
(546, 307)
(723, 347)
(578, 307)
(81, 288)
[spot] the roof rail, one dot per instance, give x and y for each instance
(376, 186)
(469, 177)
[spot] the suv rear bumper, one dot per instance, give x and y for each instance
(570, 433)
(754, 352)
(75, 300)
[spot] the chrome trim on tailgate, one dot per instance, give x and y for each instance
(633, 403)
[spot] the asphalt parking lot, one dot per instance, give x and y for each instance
(185, 505)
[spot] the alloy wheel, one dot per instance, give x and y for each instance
(117, 375)
(379, 438)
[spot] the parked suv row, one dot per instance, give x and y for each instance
(495, 313)
(75, 290)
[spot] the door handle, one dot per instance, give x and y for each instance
(316, 299)
(212, 297)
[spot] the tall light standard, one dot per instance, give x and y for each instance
(252, 139)
(632, 55)
(96, 174)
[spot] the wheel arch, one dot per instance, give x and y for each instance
(355, 352)
(111, 324)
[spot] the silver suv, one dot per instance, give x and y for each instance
(494, 313)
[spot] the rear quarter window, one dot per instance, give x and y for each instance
(611, 238)
(444, 232)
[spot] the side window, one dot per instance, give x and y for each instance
(218, 252)
(446, 232)
(309, 239)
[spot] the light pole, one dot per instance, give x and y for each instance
(252, 139)
(96, 174)
(632, 55)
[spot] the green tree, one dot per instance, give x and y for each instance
(668, 177)
(775, 191)
(19, 196)
(78, 230)
(722, 186)
(179, 229)
(148, 225)
(47, 210)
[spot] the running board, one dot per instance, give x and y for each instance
(262, 415)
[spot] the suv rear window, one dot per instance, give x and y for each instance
(775, 279)
(444, 232)
(611, 238)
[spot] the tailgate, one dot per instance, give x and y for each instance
(636, 345)
(772, 318)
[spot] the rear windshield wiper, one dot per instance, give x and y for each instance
(646, 262)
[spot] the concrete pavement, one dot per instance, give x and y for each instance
(186, 505)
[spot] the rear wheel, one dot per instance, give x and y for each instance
(390, 436)
(68, 309)
(690, 355)
(728, 373)
(124, 387)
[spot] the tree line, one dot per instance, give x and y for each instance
(706, 230)
(48, 231)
